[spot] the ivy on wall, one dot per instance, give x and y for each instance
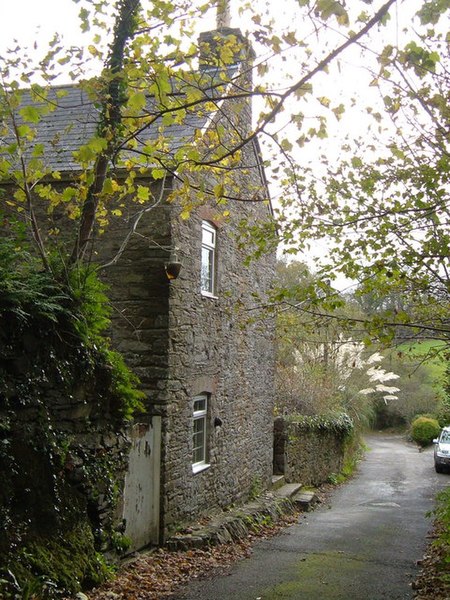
(65, 399)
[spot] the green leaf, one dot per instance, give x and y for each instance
(328, 8)
(98, 144)
(218, 190)
(4, 167)
(137, 101)
(68, 194)
(338, 111)
(143, 194)
(89, 151)
(30, 114)
(84, 17)
(431, 12)
(286, 145)
(290, 38)
(25, 131)
(158, 173)
(306, 88)
(108, 187)
(38, 150)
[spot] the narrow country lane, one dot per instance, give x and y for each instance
(363, 546)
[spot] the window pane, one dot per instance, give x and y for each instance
(208, 237)
(199, 443)
(208, 258)
(199, 404)
(207, 270)
(199, 440)
(198, 456)
(199, 433)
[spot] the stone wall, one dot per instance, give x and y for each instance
(139, 293)
(217, 349)
(181, 343)
(63, 456)
(306, 456)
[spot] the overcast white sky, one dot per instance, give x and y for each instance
(35, 21)
(29, 20)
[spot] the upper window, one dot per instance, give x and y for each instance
(209, 239)
(199, 434)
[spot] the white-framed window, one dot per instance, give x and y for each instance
(208, 259)
(199, 433)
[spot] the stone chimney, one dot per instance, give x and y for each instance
(225, 47)
(223, 14)
(227, 51)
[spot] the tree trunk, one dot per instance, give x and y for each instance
(109, 127)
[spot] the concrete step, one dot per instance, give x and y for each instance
(277, 481)
(288, 490)
(305, 500)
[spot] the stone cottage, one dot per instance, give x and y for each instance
(203, 354)
(187, 315)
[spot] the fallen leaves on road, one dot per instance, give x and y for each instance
(433, 581)
(158, 574)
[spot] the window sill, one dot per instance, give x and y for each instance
(209, 295)
(200, 468)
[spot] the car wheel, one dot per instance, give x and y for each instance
(439, 468)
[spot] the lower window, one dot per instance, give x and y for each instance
(199, 434)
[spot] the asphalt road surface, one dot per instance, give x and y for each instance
(362, 545)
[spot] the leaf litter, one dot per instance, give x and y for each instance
(160, 573)
(433, 581)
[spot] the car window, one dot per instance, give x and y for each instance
(445, 437)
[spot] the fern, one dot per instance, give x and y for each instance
(73, 307)
(26, 293)
(90, 302)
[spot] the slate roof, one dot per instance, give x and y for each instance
(74, 121)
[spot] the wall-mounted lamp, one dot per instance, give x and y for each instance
(173, 266)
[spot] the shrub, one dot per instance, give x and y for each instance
(425, 416)
(442, 514)
(337, 422)
(424, 430)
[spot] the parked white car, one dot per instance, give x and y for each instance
(442, 450)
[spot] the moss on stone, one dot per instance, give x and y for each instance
(69, 561)
(330, 572)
